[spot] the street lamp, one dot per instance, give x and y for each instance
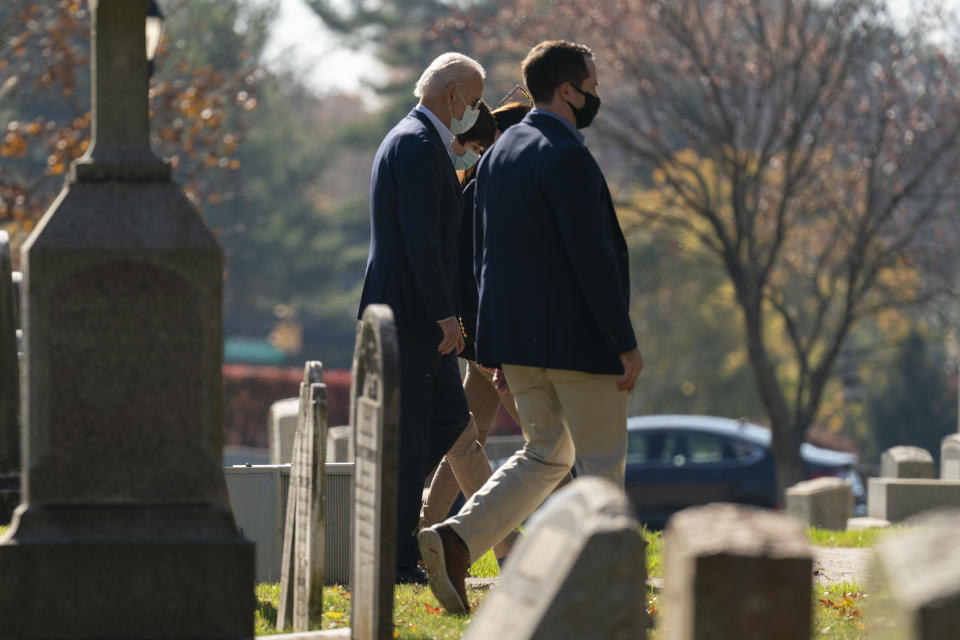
(154, 33)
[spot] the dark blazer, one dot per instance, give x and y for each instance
(415, 209)
(467, 290)
(550, 258)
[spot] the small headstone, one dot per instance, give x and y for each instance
(822, 502)
(375, 415)
(896, 499)
(9, 389)
(579, 572)
(301, 563)
(736, 572)
(340, 444)
(915, 581)
(907, 462)
(950, 457)
(282, 429)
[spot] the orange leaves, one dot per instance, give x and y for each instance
(847, 606)
(434, 610)
(14, 145)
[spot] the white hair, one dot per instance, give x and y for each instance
(448, 68)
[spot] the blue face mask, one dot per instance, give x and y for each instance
(467, 160)
(467, 120)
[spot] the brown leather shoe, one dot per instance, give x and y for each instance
(447, 560)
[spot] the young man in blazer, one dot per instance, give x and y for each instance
(415, 209)
(551, 261)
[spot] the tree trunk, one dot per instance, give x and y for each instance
(785, 446)
(787, 436)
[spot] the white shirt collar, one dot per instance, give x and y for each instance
(446, 136)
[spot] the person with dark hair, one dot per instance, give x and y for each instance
(466, 467)
(466, 147)
(551, 262)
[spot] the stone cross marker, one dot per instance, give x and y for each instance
(375, 415)
(579, 572)
(124, 515)
(9, 389)
(301, 565)
(733, 572)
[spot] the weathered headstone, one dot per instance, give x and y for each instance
(950, 457)
(9, 389)
(906, 462)
(340, 444)
(375, 416)
(896, 499)
(821, 502)
(282, 429)
(736, 572)
(579, 572)
(915, 581)
(124, 528)
(301, 564)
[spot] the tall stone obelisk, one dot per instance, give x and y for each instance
(124, 528)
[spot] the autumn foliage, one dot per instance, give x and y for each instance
(198, 110)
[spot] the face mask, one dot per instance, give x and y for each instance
(467, 160)
(584, 115)
(466, 121)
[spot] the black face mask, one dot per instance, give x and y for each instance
(584, 115)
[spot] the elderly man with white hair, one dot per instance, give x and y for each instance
(415, 209)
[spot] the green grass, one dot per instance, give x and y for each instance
(3, 527)
(838, 611)
(860, 538)
(416, 613)
(485, 567)
(654, 552)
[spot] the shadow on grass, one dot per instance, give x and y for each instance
(268, 612)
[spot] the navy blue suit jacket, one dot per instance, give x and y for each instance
(415, 209)
(550, 256)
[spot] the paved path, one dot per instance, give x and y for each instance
(833, 565)
(830, 565)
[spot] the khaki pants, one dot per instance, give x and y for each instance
(566, 416)
(465, 467)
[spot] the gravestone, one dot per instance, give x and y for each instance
(301, 563)
(375, 416)
(906, 462)
(914, 583)
(124, 528)
(736, 572)
(579, 572)
(282, 428)
(950, 457)
(821, 502)
(340, 444)
(896, 499)
(9, 389)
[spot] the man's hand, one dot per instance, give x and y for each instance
(632, 366)
(452, 336)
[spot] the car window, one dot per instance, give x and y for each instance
(640, 445)
(742, 451)
(679, 448)
(704, 449)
